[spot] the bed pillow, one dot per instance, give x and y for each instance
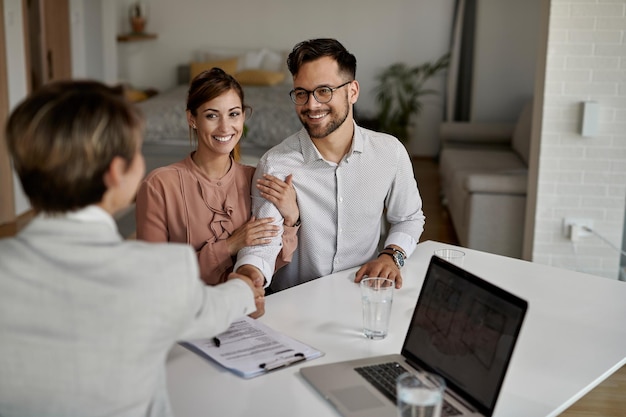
(228, 65)
(135, 95)
(247, 58)
(259, 77)
(273, 60)
(251, 60)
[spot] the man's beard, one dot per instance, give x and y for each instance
(320, 132)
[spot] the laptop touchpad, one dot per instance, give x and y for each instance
(356, 398)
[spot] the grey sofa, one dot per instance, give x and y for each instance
(483, 172)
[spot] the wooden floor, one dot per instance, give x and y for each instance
(606, 400)
(438, 225)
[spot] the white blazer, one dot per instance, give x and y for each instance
(87, 319)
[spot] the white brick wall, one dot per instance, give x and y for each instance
(579, 176)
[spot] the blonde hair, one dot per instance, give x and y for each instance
(63, 137)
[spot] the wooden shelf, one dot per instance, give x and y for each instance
(134, 37)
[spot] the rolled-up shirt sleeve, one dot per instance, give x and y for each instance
(262, 256)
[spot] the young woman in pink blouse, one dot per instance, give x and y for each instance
(204, 200)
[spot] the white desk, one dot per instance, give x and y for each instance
(572, 339)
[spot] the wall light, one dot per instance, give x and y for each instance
(589, 122)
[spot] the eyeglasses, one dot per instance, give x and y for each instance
(322, 94)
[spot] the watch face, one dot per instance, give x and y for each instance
(399, 259)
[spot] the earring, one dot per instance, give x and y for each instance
(193, 126)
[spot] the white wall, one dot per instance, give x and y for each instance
(16, 75)
(505, 57)
(78, 39)
(579, 176)
(378, 33)
(93, 39)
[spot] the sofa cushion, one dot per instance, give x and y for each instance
(520, 141)
(495, 223)
(467, 174)
(485, 186)
(469, 189)
(455, 160)
(501, 182)
(475, 135)
(489, 160)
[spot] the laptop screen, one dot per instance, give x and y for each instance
(464, 329)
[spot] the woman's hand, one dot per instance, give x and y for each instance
(253, 232)
(282, 194)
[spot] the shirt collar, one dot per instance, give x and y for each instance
(357, 140)
(92, 214)
(311, 154)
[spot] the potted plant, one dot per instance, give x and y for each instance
(399, 92)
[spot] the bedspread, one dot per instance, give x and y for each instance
(273, 117)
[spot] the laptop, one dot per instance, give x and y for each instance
(463, 328)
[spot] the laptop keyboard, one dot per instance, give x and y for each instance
(383, 376)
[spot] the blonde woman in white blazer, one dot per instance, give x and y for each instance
(87, 318)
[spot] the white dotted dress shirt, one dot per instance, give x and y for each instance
(341, 206)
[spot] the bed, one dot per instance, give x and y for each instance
(266, 90)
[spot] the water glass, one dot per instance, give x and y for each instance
(377, 296)
(420, 395)
(453, 256)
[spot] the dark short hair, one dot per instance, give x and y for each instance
(63, 137)
(314, 49)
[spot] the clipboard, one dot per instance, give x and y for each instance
(250, 348)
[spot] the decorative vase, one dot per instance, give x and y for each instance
(138, 14)
(138, 24)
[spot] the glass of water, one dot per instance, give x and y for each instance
(420, 394)
(377, 296)
(451, 255)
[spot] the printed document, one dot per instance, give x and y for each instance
(250, 348)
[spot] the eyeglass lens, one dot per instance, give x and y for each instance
(322, 94)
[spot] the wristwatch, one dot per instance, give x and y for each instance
(397, 255)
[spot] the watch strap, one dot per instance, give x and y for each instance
(397, 255)
(296, 224)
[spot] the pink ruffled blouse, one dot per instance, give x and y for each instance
(178, 203)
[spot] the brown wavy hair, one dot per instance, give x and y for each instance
(208, 85)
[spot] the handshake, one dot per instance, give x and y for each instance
(255, 279)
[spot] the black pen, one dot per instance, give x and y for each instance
(217, 342)
(298, 357)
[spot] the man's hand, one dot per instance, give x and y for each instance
(258, 282)
(384, 267)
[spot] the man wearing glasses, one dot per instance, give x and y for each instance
(346, 179)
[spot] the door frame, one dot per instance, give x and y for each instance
(7, 197)
(56, 42)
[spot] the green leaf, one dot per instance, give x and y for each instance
(399, 91)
